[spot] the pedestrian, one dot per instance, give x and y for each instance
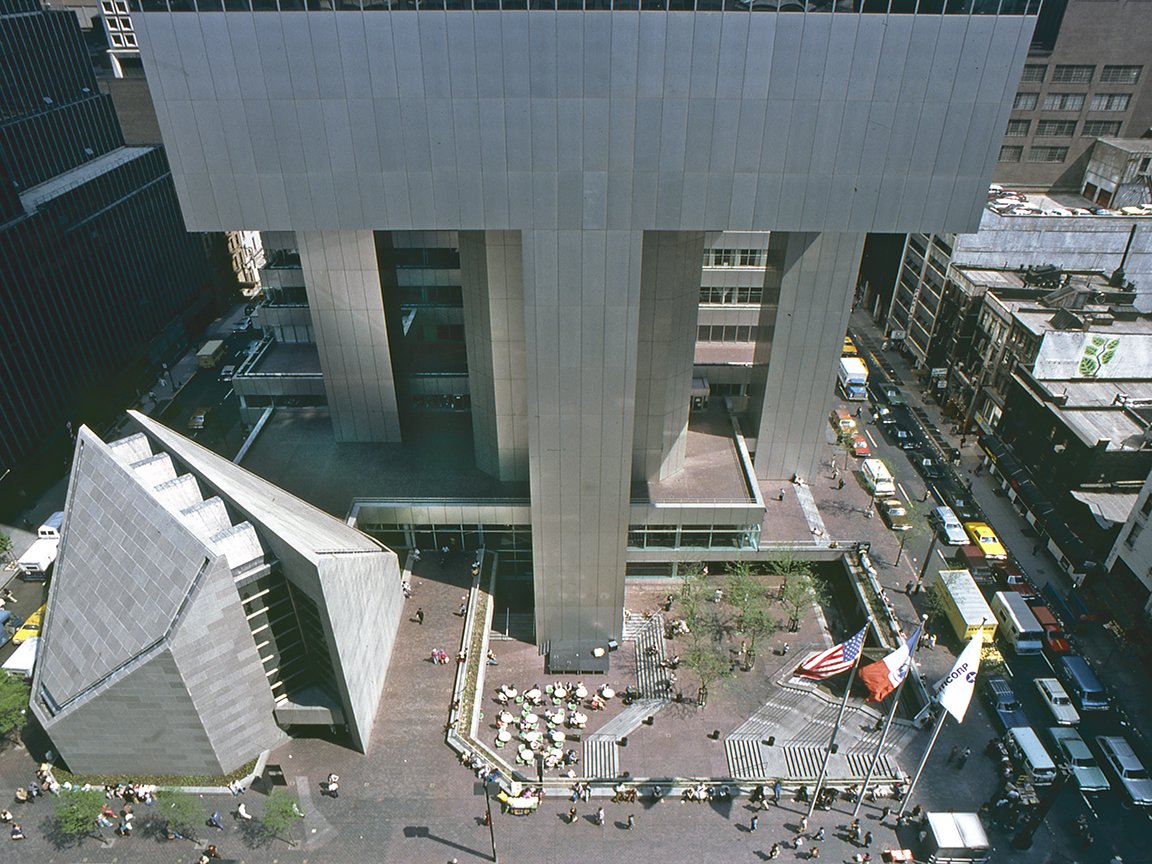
(867, 839)
(600, 816)
(1035, 549)
(840, 483)
(212, 852)
(952, 755)
(216, 820)
(854, 830)
(491, 658)
(332, 786)
(754, 823)
(931, 641)
(17, 831)
(631, 822)
(780, 497)
(803, 824)
(572, 816)
(908, 589)
(814, 853)
(859, 410)
(774, 852)
(963, 757)
(798, 843)
(419, 616)
(819, 835)
(463, 610)
(885, 813)
(242, 813)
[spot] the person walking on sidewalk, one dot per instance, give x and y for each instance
(572, 816)
(420, 616)
(631, 822)
(754, 823)
(600, 816)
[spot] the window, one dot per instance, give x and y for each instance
(1024, 101)
(1055, 128)
(723, 333)
(1063, 101)
(1047, 154)
(1146, 507)
(1120, 74)
(1034, 73)
(1101, 128)
(1011, 153)
(1133, 533)
(1073, 74)
(1110, 102)
(752, 257)
(1018, 128)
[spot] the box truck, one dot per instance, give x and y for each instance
(967, 610)
(853, 379)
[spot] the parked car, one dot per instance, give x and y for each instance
(951, 531)
(199, 418)
(888, 394)
(31, 627)
(227, 373)
(1055, 697)
(1003, 704)
(842, 421)
(927, 467)
(894, 513)
(860, 447)
(1055, 641)
(9, 623)
(244, 325)
(986, 539)
(1121, 759)
(1073, 752)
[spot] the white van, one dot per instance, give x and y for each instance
(951, 531)
(1017, 623)
(1025, 747)
(878, 477)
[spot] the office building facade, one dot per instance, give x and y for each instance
(98, 269)
(582, 155)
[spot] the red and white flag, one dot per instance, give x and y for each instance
(884, 676)
(834, 660)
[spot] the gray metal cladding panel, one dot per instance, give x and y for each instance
(544, 117)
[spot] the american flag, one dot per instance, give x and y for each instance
(833, 661)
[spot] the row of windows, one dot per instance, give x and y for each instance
(1010, 153)
(1063, 128)
(1072, 102)
(1078, 74)
(735, 257)
(878, 7)
(693, 536)
(729, 296)
(724, 333)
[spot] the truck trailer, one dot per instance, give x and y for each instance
(967, 610)
(38, 560)
(853, 379)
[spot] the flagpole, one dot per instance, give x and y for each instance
(887, 725)
(923, 760)
(836, 727)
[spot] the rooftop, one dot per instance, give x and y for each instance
(1130, 145)
(287, 358)
(1011, 202)
(1115, 411)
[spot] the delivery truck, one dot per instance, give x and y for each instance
(23, 659)
(967, 610)
(38, 560)
(853, 379)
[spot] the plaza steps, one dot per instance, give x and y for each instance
(649, 654)
(745, 760)
(628, 720)
(601, 758)
(752, 759)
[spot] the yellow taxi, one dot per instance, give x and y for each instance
(849, 348)
(29, 628)
(985, 538)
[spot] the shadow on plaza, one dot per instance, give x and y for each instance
(421, 832)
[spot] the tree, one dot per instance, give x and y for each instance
(13, 704)
(5, 546)
(710, 665)
(76, 813)
(182, 811)
(800, 591)
(742, 586)
(756, 623)
(280, 814)
(693, 596)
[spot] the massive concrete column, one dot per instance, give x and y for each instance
(492, 272)
(581, 306)
(343, 283)
(808, 288)
(669, 303)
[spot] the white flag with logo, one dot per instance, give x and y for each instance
(954, 690)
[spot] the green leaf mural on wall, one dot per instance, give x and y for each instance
(1097, 354)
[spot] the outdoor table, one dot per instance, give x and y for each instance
(531, 736)
(578, 720)
(559, 693)
(581, 691)
(510, 692)
(607, 692)
(504, 735)
(533, 694)
(557, 735)
(505, 717)
(530, 720)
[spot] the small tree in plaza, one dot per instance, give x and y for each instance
(280, 813)
(13, 705)
(182, 812)
(5, 546)
(798, 592)
(76, 813)
(710, 663)
(756, 623)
